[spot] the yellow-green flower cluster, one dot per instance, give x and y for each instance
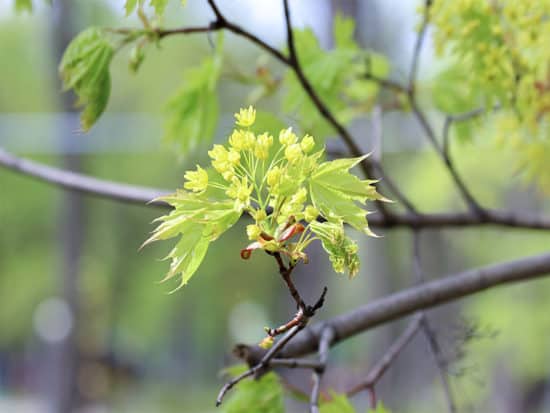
(501, 45)
(283, 185)
(293, 197)
(259, 172)
(197, 181)
(246, 117)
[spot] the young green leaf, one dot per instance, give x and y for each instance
(199, 221)
(85, 69)
(338, 194)
(256, 171)
(130, 6)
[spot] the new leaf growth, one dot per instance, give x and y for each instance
(308, 200)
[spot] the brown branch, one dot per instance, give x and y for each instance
(82, 183)
(429, 332)
(421, 117)
(285, 273)
(370, 167)
(462, 219)
(378, 370)
(440, 362)
(223, 23)
(259, 368)
(167, 32)
(387, 83)
(418, 45)
(327, 335)
(411, 300)
(472, 204)
(305, 312)
(142, 195)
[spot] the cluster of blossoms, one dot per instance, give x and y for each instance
(262, 173)
(281, 182)
(502, 47)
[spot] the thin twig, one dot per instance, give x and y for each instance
(223, 23)
(327, 335)
(285, 273)
(387, 83)
(446, 129)
(229, 385)
(429, 332)
(440, 362)
(450, 119)
(472, 204)
(418, 46)
(465, 193)
(378, 370)
(161, 33)
(370, 167)
(261, 366)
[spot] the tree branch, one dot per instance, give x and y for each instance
(371, 167)
(429, 332)
(327, 335)
(378, 370)
(472, 204)
(411, 300)
(143, 195)
(82, 183)
(462, 219)
(261, 366)
(465, 193)
(418, 46)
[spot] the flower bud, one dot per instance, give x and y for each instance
(246, 117)
(307, 144)
(311, 213)
(287, 137)
(253, 232)
(293, 153)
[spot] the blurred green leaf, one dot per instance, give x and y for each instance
(339, 403)
(159, 6)
(199, 220)
(380, 408)
(85, 69)
(343, 32)
(255, 396)
(451, 93)
(23, 5)
(130, 6)
(337, 76)
(192, 113)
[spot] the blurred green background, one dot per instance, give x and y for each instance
(84, 324)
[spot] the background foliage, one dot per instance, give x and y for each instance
(168, 348)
